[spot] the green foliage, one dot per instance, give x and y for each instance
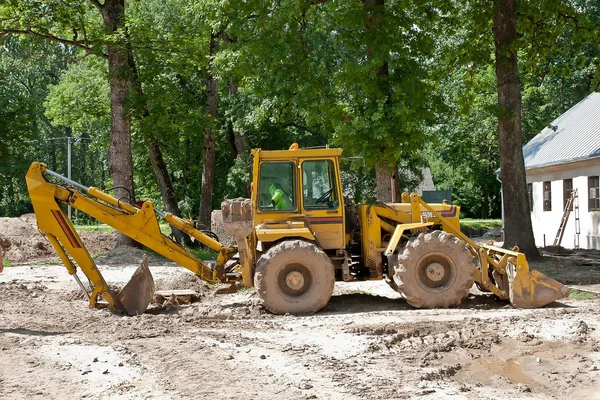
(27, 66)
(487, 224)
(81, 100)
(79, 105)
(239, 177)
(202, 253)
(465, 154)
(310, 70)
(75, 23)
(558, 56)
(411, 83)
(358, 182)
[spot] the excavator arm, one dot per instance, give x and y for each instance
(138, 223)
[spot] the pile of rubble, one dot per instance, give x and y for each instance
(22, 243)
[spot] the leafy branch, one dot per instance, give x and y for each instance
(53, 38)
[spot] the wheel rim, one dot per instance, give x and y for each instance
(294, 280)
(435, 271)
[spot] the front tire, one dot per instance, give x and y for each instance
(294, 277)
(434, 270)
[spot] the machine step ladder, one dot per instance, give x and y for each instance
(573, 199)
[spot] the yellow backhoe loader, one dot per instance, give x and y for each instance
(295, 237)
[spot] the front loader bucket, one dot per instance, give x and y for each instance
(139, 291)
(530, 288)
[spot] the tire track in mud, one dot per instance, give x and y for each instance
(52, 348)
(57, 365)
(215, 349)
(182, 358)
(306, 361)
(477, 355)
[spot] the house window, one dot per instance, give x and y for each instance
(547, 196)
(594, 196)
(567, 190)
(530, 195)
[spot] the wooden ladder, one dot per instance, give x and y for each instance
(577, 226)
(565, 218)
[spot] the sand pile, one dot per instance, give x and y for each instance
(181, 279)
(130, 256)
(22, 242)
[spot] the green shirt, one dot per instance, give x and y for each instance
(278, 198)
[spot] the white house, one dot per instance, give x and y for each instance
(565, 156)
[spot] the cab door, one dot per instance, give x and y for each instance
(322, 201)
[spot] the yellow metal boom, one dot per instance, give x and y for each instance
(140, 224)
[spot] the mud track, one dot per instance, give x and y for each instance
(366, 344)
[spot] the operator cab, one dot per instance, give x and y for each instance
(302, 186)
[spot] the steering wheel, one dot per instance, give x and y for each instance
(323, 198)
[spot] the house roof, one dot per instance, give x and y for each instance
(573, 136)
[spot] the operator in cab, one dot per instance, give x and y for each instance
(278, 197)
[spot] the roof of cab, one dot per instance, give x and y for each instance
(300, 153)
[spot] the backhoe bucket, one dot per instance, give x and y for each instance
(139, 291)
(530, 288)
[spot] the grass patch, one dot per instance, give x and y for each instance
(487, 224)
(203, 253)
(164, 228)
(7, 263)
(581, 295)
(44, 262)
(94, 228)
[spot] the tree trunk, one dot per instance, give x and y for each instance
(380, 89)
(159, 167)
(120, 160)
(52, 155)
(166, 188)
(383, 177)
(93, 159)
(237, 144)
(208, 155)
(102, 174)
(485, 204)
(186, 166)
(235, 141)
(517, 219)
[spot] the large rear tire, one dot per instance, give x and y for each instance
(435, 270)
(294, 277)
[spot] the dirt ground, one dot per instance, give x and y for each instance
(366, 344)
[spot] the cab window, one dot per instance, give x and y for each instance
(318, 185)
(276, 187)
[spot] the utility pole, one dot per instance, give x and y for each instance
(69, 169)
